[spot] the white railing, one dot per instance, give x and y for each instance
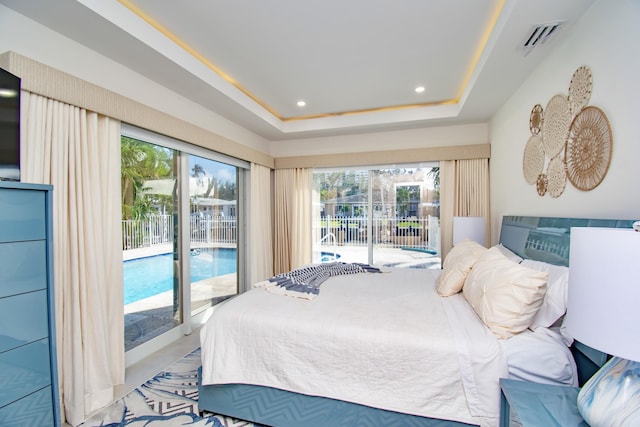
(155, 230)
(158, 230)
(210, 229)
(328, 238)
(390, 232)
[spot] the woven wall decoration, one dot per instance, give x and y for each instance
(541, 184)
(533, 161)
(580, 90)
(556, 177)
(575, 137)
(535, 119)
(589, 147)
(557, 119)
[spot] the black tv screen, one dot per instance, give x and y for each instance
(9, 126)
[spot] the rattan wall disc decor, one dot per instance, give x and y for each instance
(588, 152)
(574, 136)
(580, 89)
(535, 119)
(557, 119)
(556, 177)
(533, 160)
(541, 184)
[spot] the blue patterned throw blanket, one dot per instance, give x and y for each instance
(305, 282)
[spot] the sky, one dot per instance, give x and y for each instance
(222, 171)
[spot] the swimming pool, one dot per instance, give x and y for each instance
(329, 256)
(145, 277)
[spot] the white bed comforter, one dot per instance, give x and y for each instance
(382, 340)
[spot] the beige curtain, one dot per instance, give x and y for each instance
(292, 218)
(260, 225)
(464, 191)
(78, 152)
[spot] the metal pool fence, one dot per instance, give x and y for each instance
(352, 231)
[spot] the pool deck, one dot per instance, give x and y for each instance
(393, 257)
(165, 248)
(152, 316)
(149, 317)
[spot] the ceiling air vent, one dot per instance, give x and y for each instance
(541, 34)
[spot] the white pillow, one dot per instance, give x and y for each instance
(555, 299)
(540, 356)
(459, 261)
(509, 253)
(504, 294)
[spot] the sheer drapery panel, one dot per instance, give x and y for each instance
(292, 218)
(464, 192)
(260, 225)
(78, 152)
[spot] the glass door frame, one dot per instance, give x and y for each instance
(189, 322)
(370, 203)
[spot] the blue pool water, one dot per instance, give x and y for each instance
(145, 277)
(328, 256)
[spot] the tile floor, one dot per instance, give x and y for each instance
(148, 367)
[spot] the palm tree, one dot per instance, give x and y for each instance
(197, 170)
(132, 179)
(434, 174)
(213, 183)
(140, 162)
(227, 190)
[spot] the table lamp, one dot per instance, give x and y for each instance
(603, 312)
(469, 227)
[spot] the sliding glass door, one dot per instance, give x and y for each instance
(340, 211)
(180, 211)
(213, 223)
(382, 216)
(405, 218)
(150, 196)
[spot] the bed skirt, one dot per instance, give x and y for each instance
(280, 408)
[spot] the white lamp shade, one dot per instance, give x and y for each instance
(468, 227)
(603, 309)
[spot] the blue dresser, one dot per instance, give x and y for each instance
(28, 368)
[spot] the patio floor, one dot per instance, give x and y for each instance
(386, 256)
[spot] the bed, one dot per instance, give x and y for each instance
(387, 349)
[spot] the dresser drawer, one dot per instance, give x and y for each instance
(22, 214)
(24, 267)
(24, 370)
(34, 410)
(23, 319)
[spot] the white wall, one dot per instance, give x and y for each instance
(28, 38)
(605, 39)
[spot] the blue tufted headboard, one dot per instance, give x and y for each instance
(547, 238)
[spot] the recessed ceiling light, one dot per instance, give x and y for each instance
(301, 103)
(419, 89)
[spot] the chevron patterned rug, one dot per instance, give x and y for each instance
(168, 399)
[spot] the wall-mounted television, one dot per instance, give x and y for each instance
(9, 126)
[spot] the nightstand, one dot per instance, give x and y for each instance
(541, 405)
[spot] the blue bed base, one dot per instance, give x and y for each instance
(540, 238)
(280, 408)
